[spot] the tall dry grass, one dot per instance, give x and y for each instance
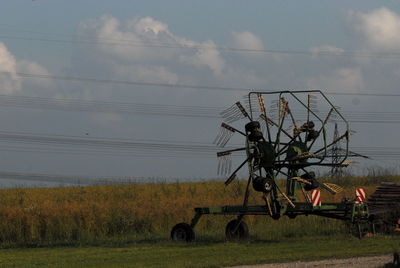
(44, 216)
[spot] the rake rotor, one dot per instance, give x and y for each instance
(284, 139)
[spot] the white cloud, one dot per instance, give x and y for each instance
(135, 44)
(207, 55)
(30, 67)
(156, 74)
(9, 81)
(380, 27)
(318, 50)
(247, 40)
(341, 79)
(148, 25)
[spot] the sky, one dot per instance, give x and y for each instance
(109, 57)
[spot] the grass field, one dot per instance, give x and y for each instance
(199, 254)
(87, 215)
(129, 225)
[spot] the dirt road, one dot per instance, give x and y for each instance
(359, 262)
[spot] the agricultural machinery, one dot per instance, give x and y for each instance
(285, 140)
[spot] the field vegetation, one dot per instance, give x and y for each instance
(146, 212)
(199, 254)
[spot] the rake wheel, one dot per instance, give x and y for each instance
(182, 232)
(284, 139)
(236, 230)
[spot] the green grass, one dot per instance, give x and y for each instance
(128, 226)
(92, 215)
(199, 254)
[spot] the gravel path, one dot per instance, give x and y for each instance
(358, 262)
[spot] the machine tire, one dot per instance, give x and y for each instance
(252, 125)
(182, 232)
(242, 231)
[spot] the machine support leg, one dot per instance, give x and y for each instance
(359, 230)
(195, 219)
(239, 220)
(246, 195)
(373, 228)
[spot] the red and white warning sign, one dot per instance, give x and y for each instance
(360, 196)
(316, 198)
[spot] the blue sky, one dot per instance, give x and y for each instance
(333, 27)
(282, 24)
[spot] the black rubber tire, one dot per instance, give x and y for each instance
(249, 127)
(314, 185)
(182, 232)
(241, 233)
(262, 184)
(276, 216)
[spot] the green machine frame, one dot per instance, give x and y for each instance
(274, 150)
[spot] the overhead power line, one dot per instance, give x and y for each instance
(80, 39)
(46, 178)
(104, 143)
(110, 107)
(69, 179)
(182, 86)
(22, 142)
(121, 82)
(163, 110)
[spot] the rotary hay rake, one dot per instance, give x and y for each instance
(287, 140)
